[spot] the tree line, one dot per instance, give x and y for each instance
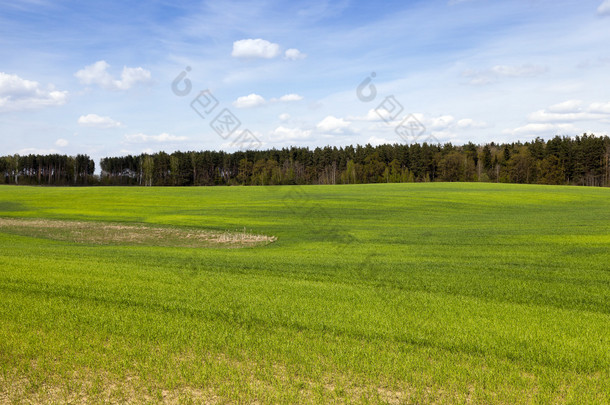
(582, 160)
(55, 169)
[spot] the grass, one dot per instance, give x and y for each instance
(390, 293)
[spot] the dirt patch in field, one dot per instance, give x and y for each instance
(106, 233)
(248, 385)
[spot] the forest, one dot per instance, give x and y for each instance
(55, 169)
(581, 160)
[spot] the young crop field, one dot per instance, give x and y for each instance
(380, 293)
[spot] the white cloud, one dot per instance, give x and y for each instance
(545, 116)
(438, 137)
(543, 128)
(291, 97)
(132, 76)
(604, 8)
(569, 106)
(284, 117)
(37, 151)
(372, 115)
(600, 108)
(282, 133)
(519, 71)
(332, 124)
(442, 122)
(61, 142)
(252, 140)
(375, 141)
(495, 73)
(148, 151)
(255, 100)
(97, 74)
(469, 123)
(21, 94)
(255, 48)
(570, 111)
(560, 119)
(294, 54)
(143, 138)
(445, 126)
(94, 120)
(251, 100)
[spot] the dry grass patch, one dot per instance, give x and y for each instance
(246, 382)
(106, 233)
(86, 388)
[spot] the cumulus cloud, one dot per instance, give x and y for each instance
(376, 141)
(495, 73)
(600, 108)
(291, 97)
(372, 115)
(442, 122)
(469, 123)
(568, 106)
(251, 100)
(255, 48)
(21, 94)
(143, 138)
(284, 117)
(543, 128)
(94, 120)
(383, 117)
(282, 133)
(560, 118)
(332, 124)
(571, 111)
(97, 73)
(545, 116)
(255, 100)
(61, 142)
(294, 54)
(445, 128)
(246, 140)
(604, 8)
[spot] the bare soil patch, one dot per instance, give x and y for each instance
(107, 233)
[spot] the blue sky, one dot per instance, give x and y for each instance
(96, 78)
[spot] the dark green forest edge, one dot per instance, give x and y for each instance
(583, 160)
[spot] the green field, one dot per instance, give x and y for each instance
(388, 293)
